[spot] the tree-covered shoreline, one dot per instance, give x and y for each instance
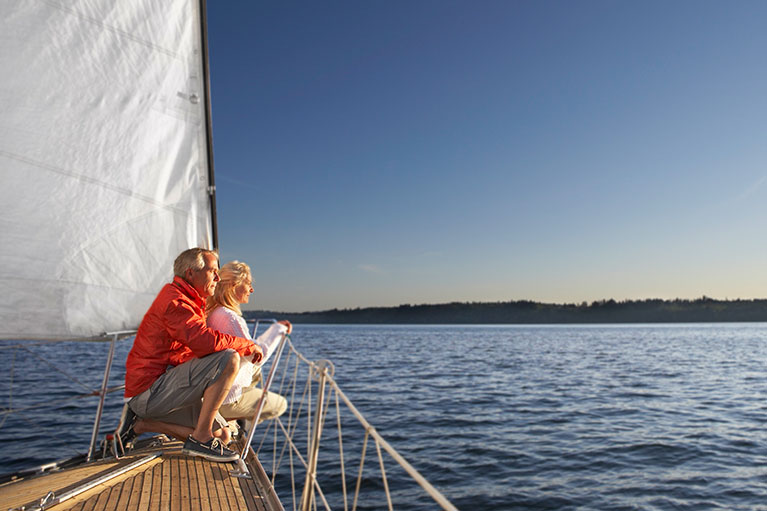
(701, 310)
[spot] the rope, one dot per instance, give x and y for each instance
(362, 464)
(383, 475)
(289, 430)
(341, 453)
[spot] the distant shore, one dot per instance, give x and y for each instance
(701, 310)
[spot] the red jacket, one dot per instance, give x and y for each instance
(173, 331)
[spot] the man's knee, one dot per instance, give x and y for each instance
(230, 361)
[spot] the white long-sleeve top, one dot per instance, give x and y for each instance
(227, 321)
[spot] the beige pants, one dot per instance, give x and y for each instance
(245, 407)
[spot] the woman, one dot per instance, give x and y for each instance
(223, 308)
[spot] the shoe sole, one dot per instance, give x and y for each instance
(211, 457)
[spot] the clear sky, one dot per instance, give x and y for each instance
(376, 153)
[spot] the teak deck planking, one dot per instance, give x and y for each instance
(170, 482)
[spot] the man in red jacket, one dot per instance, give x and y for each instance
(179, 371)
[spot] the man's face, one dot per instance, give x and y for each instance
(204, 281)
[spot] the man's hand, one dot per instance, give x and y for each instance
(258, 355)
(287, 324)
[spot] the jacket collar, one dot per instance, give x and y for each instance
(189, 291)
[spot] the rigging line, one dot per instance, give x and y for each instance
(309, 413)
(290, 419)
(362, 464)
(57, 369)
(274, 452)
(293, 446)
(383, 475)
(263, 438)
(322, 495)
(307, 391)
(327, 408)
(289, 434)
(292, 449)
(292, 479)
(295, 379)
(284, 372)
(299, 355)
(426, 485)
(300, 407)
(289, 441)
(285, 369)
(341, 453)
(292, 399)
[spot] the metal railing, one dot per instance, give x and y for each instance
(28, 348)
(104, 390)
(287, 445)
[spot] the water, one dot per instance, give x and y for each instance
(513, 417)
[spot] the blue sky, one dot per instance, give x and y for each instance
(379, 153)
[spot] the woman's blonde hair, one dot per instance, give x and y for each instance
(232, 274)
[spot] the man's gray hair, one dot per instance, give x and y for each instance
(191, 259)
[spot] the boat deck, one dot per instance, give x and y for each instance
(170, 481)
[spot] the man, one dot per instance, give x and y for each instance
(179, 371)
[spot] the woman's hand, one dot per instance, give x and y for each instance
(287, 324)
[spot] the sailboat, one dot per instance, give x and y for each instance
(106, 156)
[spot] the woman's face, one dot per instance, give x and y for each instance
(243, 290)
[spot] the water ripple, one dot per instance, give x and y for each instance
(631, 417)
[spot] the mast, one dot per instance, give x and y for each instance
(208, 120)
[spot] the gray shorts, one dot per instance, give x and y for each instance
(176, 396)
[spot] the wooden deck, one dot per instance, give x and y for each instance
(169, 482)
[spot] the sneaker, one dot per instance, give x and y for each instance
(212, 450)
(125, 434)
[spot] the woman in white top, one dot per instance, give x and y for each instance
(234, 289)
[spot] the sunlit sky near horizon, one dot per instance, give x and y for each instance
(381, 153)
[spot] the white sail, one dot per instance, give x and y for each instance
(103, 160)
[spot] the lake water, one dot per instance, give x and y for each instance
(602, 417)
